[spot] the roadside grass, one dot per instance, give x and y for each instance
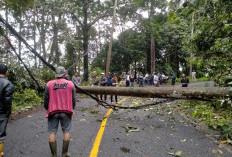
(201, 79)
(214, 114)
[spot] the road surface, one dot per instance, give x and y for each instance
(152, 132)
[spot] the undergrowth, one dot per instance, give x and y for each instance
(216, 115)
(25, 99)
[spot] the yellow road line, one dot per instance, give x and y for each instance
(97, 142)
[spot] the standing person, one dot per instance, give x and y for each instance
(160, 78)
(173, 77)
(114, 84)
(103, 82)
(140, 79)
(67, 77)
(115, 77)
(152, 78)
(123, 79)
(156, 80)
(95, 81)
(147, 79)
(6, 96)
(76, 79)
(132, 80)
(127, 80)
(109, 77)
(184, 81)
(59, 101)
(194, 76)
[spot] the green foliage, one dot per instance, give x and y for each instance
(1, 31)
(211, 42)
(19, 6)
(25, 99)
(47, 75)
(214, 114)
(203, 79)
(98, 71)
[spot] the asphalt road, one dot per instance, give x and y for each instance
(157, 133)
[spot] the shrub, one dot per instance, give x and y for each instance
(26, 98)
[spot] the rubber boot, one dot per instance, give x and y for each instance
(53, 149)
(65, 149)
(1, 149)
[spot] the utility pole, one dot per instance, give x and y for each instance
(191, 52)
(111, 40)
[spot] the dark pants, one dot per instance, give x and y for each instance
(64, 119)
(127, 83)
(3, 125)
(173, 81)
(105, 96)
(116, 98)
(140, 82)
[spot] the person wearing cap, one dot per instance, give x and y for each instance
(103, 82)
(6, 96)
(59, 101)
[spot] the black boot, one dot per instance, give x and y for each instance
(53, 149)
(65, 149)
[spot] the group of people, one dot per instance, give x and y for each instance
(60, 100)
(109, 80)
(155, 79)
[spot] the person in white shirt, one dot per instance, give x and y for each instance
(127, 79)
(194, 76)
(156, 80)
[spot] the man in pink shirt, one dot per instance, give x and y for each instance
(59, 101)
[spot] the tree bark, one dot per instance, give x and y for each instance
(163, 92)
(85, 29)
(42, 35)
(191, 52)
(152, 41)
(20, 33)
(111, 40)
(34, 35)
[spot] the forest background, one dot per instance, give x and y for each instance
(187, 35)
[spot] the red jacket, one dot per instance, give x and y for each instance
(59, 96)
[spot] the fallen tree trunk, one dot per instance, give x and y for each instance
(163, 92)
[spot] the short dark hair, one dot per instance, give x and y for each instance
(3, 69)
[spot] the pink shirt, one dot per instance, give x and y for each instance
(60, 96)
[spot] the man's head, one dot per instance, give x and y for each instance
(103, 74)
(76, 74)
(66, 72)
(94, 74)
(183, 75)
(60, 72)
(3, 69)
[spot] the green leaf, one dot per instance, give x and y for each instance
(1, 31)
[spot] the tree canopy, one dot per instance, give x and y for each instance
(75, 34)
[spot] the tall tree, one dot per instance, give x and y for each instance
(87, 13)
(151, 7)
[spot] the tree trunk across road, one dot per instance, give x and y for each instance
(163, 92)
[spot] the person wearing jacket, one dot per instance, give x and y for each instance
(103, 82)
(59, 101)
(6, 96)
(113, 84)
